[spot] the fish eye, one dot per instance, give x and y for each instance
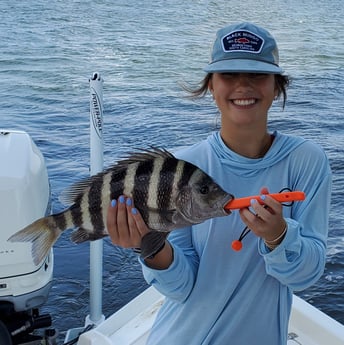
(204, 190)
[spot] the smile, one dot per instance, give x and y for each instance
(244, 102)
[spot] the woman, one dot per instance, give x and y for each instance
(215, 295)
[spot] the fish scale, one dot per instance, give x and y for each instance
(117, 183)
(155, 182)
(168, 192)
(60, 220)
(177, 177)
(76, 211)
(129, 179)
(95, 205)
(106, 194)
(167, 179)
(142, 183)
(159, 194)
(150, 217)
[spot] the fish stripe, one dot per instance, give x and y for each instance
(117, 183)
(177, 178)
(188, 170)
(84, 206)
(95, 204)
(106, 195)
(143, 176)
(167, 177)
(129, 180)
(154, 184)
(76, 211)
(167, 193)
(60, 221)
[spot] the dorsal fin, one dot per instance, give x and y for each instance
(69, 195)
(143, 155)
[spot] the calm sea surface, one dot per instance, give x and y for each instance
(144, 50)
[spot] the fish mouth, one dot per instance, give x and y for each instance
(224, 203)
(218, 210)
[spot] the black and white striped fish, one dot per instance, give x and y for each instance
(169, 193)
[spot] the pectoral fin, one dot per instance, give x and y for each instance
(151, 242)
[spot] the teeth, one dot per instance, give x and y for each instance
(243, 102)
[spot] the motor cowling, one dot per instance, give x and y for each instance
(24, 197)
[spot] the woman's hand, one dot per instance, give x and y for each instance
(125, 224)
(266, 221)
(126, 228)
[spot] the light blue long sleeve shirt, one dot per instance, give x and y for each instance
(217, 296)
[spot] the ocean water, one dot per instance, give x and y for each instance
(144, 50)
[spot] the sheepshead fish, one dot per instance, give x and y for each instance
(169, 193)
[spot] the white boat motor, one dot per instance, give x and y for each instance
(24, 197)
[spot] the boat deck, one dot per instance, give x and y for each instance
(131, 324)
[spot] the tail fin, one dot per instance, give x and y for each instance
(42, 234)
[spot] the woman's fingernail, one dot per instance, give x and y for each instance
(121, 199)
(253, 201)
(263, 197)
(134, 210)
(113, 203)
(129, 202)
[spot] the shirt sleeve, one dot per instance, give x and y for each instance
(299, 260)
(176, 282)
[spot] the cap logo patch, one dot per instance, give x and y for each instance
(242, 41)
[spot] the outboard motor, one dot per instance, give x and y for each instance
(24, 197)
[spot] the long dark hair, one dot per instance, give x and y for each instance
(282, 83)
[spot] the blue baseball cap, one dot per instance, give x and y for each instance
(244, 48)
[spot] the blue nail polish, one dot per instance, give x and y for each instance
(134, 211)
(253, 201)
(113, 203)
(263, 197)
(121, 199)
(129, 202)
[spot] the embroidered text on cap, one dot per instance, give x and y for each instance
(242, 41)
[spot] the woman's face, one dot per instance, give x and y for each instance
(243, 98)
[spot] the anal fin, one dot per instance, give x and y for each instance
(81, 235)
